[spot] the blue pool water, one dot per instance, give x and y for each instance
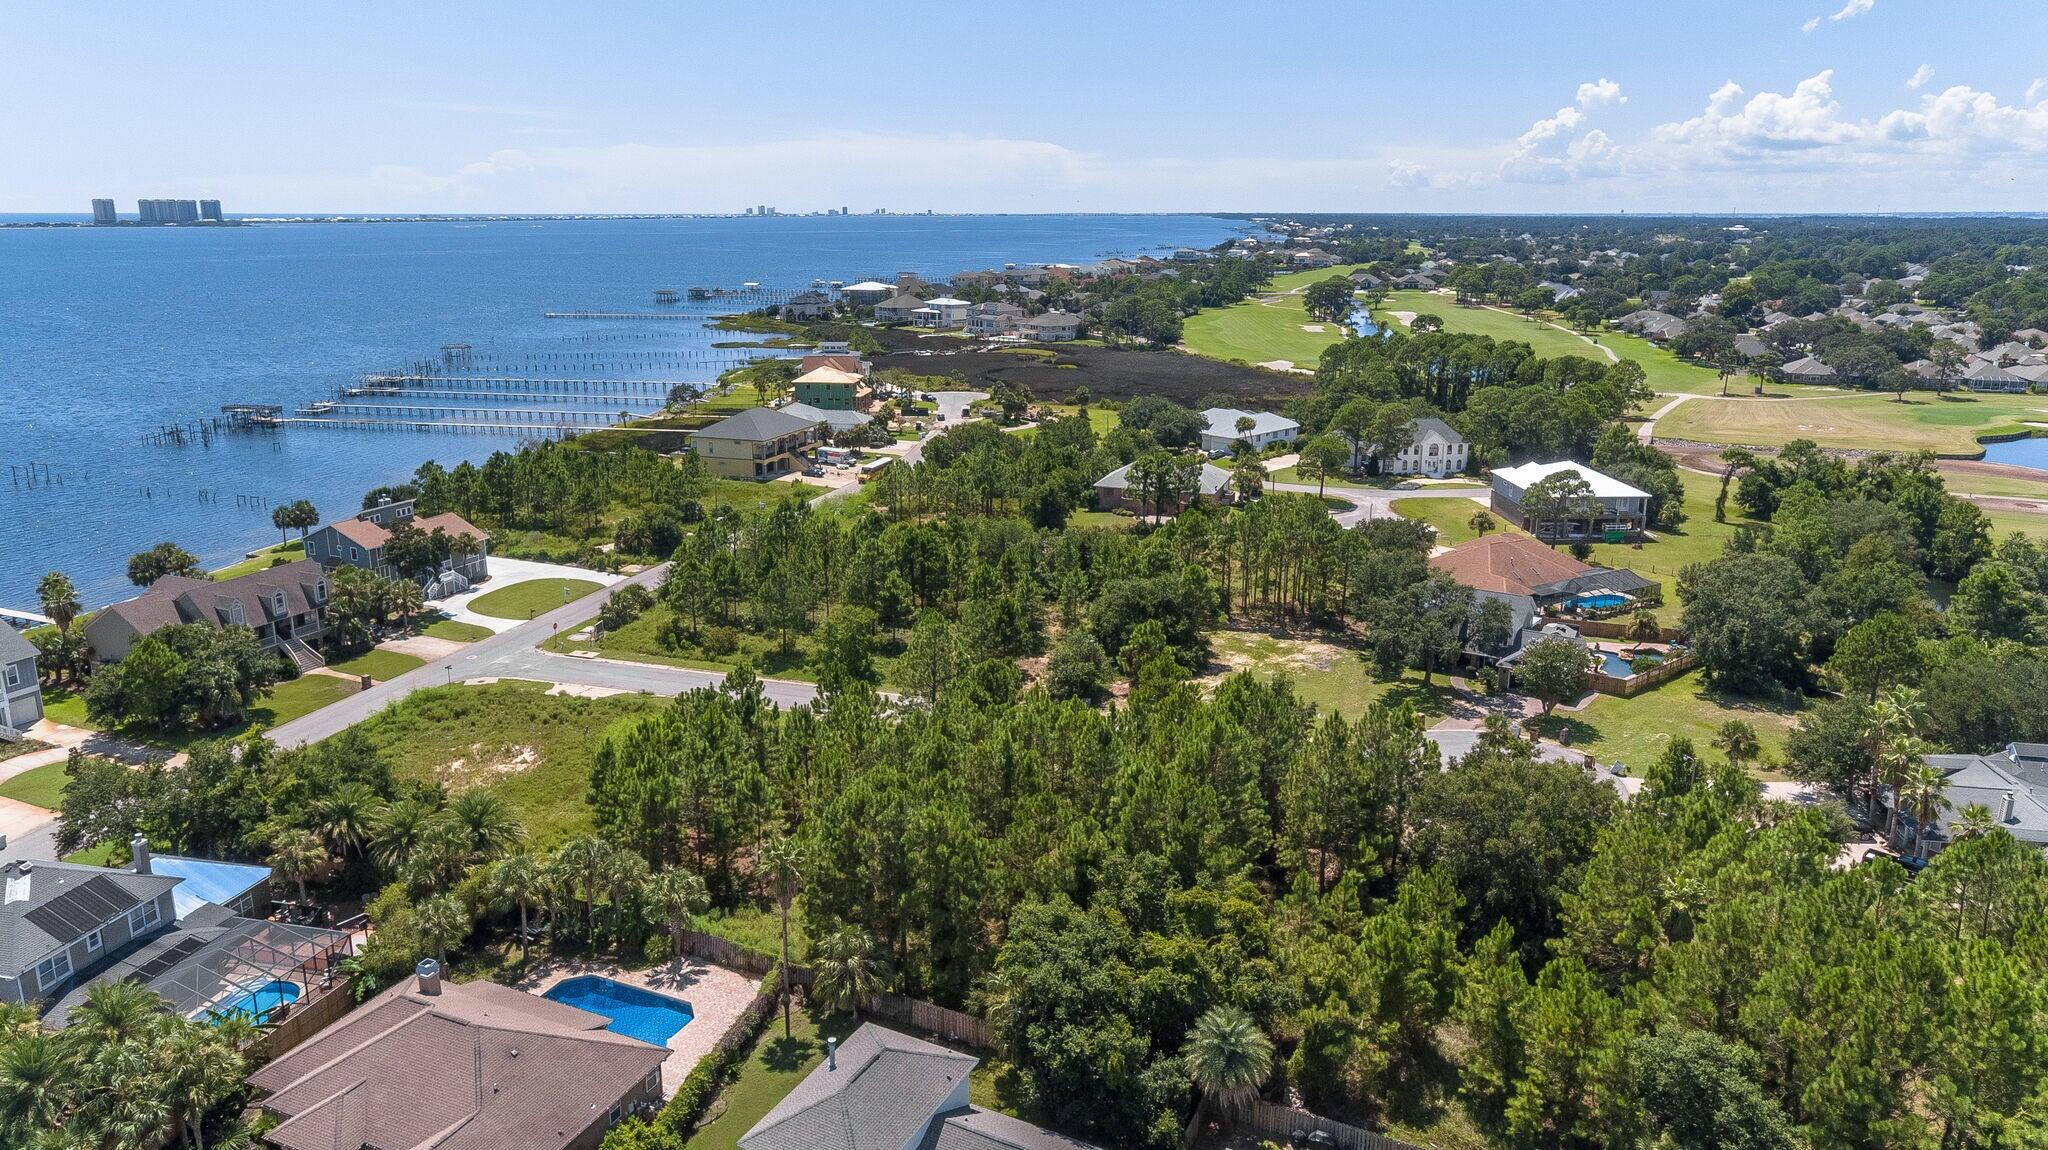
(258, 1004)
(633, 1012)
(1597, 602)
(1614, 666)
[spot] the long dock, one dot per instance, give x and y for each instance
(425, 425)
(654, 400)
(442, 412)
(524, 382)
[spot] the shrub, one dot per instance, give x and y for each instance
(719, 642)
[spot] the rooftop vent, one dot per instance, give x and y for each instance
(831, 1054)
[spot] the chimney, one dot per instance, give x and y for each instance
(138, 850)
(429, 973)
(2007, 806)
(831, 1054)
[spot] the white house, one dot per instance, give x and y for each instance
(1052, 327)
(1266, 428)
(1438, 450)
(868, 291)
(942, 313)
(1615, 505)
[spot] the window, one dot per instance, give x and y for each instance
(277, 602)
(612, 1117)
(13, 675)
(320, 591)
(143, 917)
(235, 612)
(355, 553)
(93, 942)
(53, 970)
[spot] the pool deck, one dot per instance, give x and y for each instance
(716, 995)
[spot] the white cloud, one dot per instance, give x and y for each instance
(1852, 8)
(1810, 25)
(1552, 150)
(1767, 121)
(2035, 90)
(1920, 76)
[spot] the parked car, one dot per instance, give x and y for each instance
(814, 471)
(926, 396)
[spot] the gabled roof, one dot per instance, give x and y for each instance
(1983, 372)
(14, 648)
(1223, 421)
(1807, 365)
(1604, 487)
(838, 420)
(476, 1067)
(176, 599)
(884, 1091)
(847, 362)
(868, 286)
(1508, 563)
(902, 301)
(971, 1128)
(828, 374)
(1431, 425)
(1054, 319)
(370, 536)
(757, 425)
(1214, 479)
(45, 905)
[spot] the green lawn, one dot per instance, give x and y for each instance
(640, 642)
(1295, 281)
(533, 597)
(456, 631)
(1260, 330)
(1448, 516)
(532, 747)
(1664, 370)
(380, 665)
(1289, 474)
(772, 1070)
(1949, 425)
(1697, 540)
(42, 787)
(285, 702)
(1636, 731)
(1330, 676)
(264, 559)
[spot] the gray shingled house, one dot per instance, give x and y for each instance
(21, 691)
(282, 605)
(884, 1090)
(60, 922)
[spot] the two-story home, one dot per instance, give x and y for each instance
(282, 605)
(759, 443)
(359, 542)
(21, 692)
(1612, 507)
(829, 387)
(1052, 327)
(1264, 428)
(942, 314)
(61, 922)
(994, 319)
(898, 308)
(1437, 450)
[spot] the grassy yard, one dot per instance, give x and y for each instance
(285, 702)
(640, 642)
(302, 696)
(533, 597)
(1636, 731)
(1861, 420)
(67, 707)
(380, 665)
(42, 787)
(264, 559)
(456, 631)
(1449, 517)
(1289, 474)
(532, 747)
(1331, 676)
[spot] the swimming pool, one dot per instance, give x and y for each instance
(1614, 666)
(631, 1011)
(258, 1005)
(1599, 602)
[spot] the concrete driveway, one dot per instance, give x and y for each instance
(507, 573)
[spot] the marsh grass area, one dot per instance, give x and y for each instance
(264, 559)
(1109, 373)
(534, 748)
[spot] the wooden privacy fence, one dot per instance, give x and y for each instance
(1634, 685)
(1616, 629)
(1285, 1125)
(952, 1025)
(725, 952)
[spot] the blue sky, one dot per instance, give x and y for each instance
(1832, 105)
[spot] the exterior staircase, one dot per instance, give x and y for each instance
(303, 657)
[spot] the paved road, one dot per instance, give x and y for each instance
(1373, 502)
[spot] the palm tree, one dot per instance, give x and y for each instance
(625, 883)
(397, 830)
(846, 971)
(441, 857)
(1898, 712)
(407, 600)
(34, 1082)
(1738, 741)
(1926, 797)
(681, 897)
(1643, 626)
(1228, 1056)
(441, 920)
(516, 879)
(1973, 820)
(203, 1071)
(114, 1013)
(60, 600)
(782, 864)
(344, 817)
(1901, 757)
(577, 870)
(1481, 522)
(297, 854)
(489, 822)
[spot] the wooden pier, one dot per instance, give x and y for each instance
(647, 399)
(523, 382)
(440, 413)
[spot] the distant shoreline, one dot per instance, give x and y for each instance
(538, 217)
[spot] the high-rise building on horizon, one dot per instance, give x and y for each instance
(168, 211)
(103, 212)
(209, 210)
